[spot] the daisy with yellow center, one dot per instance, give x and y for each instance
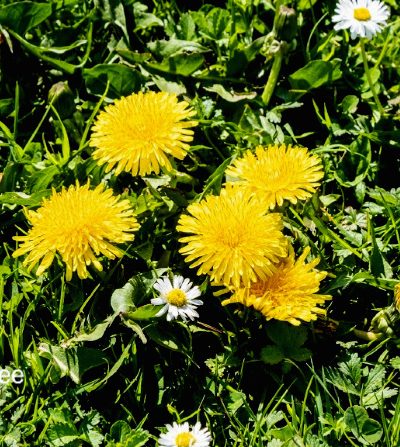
(233, 239)
(79, 224)
(289, 294)
(278, 173)
(178, 296)
(181, 435)
(139, 133)
(364, 18)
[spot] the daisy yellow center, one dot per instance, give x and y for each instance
(177, 297)
(362, 14)
(184, 440)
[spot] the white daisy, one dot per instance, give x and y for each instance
(179, 297)
(364, 18)
(180, 435)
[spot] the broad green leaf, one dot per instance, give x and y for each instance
(179, 64)
(41, 180)
(315, 74)
(122, 79)
(186, 28)
(121, 432)
(174, 47)
(20, 198)
(355, 164)
(144, 19)
(121, 299)
(95, 333)
(271, 354)
(62, 434)
(286, 335)
(349, 104)
(176, 337)
(22, 16)
(132, 57)
(366, 430)
(145, 312)
(72, 361)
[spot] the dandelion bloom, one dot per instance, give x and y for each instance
(139, 132)
(80, 224)
(290, 294)
(364, 18)
(278, 173)
(178, 296)
(233, 239)
(180, 435)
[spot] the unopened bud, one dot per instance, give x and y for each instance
(285, 24)
(385, 321)
(62, 98)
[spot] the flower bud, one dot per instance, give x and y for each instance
(62, 98)
(385, 321)
(285, 24)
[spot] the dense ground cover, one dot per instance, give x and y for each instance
(100, 365)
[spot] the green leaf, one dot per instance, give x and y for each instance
(186, 28)
(145, 312)
(176, 338)
(122, 79)
(20, 198)
(179, 64)
(366, 430)
(286, 335)
(40, 180)
(215, 23)
(355, 164)
(121, 299)
(121, 432)
(271, 354)
(315, 74)
(175, 47)
(72, 361)
(377, 263)
(395, 362)
(22, 16)
(306, 4)
(349, 104)
(95, 333)
(62, 435)
(230, 96)
(135, 328)
(6, 107)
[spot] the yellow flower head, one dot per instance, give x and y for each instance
(278, 173)
(80, 224)
(233, 239)
(138, 132)
(289, 294)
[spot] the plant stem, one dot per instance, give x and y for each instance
(273, 77)
(369, 79)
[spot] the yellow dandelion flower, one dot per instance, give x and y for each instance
(80, 224)
(233, 239)
(278, 173)
(138, 132)
(289, 294)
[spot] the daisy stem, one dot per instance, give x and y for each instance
(273, 77)
(369, 78)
